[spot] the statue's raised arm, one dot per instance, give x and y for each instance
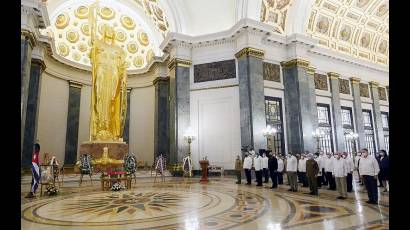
(92, 21)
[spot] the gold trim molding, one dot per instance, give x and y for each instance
(216, 87)
(295, 63)
(75, 84)
(30, 35)
(39, 62)
(355, 80)
(179, 62)
(311, 70)
(248, 51)
(374, 84)
(333, 75)
(160, 79)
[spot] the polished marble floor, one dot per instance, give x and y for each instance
(181, 203)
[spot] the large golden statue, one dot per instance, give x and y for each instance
(109, 83)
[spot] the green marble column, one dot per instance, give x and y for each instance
(300, 105)
(358, 111)
(161, 132)
(251, 97)
(73, 117)
(374, 89)
(337, 111)
(126, 136)
(179, 108)
(32, 105)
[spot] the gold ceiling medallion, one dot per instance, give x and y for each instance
(120, 36)
(85, 29)
(82, 47)
(345, 33)
(106, 13)
(76, 56)
(72, 36)
(62, 20)
(138, 61)
(132, 47)
(150, 56)
(143, 38)
(63, 49)
(81, 12)
(127, 22)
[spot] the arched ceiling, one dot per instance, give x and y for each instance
(359, 28)
(356, 27)
(136, 32)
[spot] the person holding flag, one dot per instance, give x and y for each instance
(35, 170)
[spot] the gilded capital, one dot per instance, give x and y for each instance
(295, 63)
(374, 84)
(26, 34)
(248, 51)
(38, 62)
(179, 62)
(333, 75)
(355, 80)
(160, 80)
(311, 70)
(75, 84)
(129, 90)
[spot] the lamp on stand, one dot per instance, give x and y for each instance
(269, 133)
(189, 137)
(352, 136)
(317, 134)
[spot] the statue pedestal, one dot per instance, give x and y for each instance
(116, 150)
(204, 171)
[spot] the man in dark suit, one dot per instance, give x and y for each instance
(273, 167)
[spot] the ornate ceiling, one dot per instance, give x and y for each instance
(274, 12)
(356, 27)
(70, 30)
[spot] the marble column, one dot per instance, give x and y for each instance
(251, 98)
(73, 116)
(126, 136)
(358, 112)
(300, 101)
(337, 111)
(179, 108)
(27, 44)
(161, 132)
(33, 100)
(374, 89)
(388, 93)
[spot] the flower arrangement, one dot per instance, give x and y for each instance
(51, 190)
(117, 187)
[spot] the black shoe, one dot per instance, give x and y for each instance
(274, 187)
(238, 182)
(29, 195)
(290, 190)
(259, 185)
(340, 197)
(248, 183)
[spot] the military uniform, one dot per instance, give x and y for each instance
(312, 169)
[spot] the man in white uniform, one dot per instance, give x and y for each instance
(265, 167)
(291, 170)
(302, 170)
(349, 168)
(281, 168)
(339, 172)
(247, 165)
(257, 163)
(369, 169)
(329, 169)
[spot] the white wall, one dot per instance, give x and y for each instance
(52, 117)
(215, 121)
(141, 132)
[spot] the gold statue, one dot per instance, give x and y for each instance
(106, 161)
(109, 83)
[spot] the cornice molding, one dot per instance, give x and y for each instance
(27, 34)
(179, 62)
(297, 62)
(249, 51)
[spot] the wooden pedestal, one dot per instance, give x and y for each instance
(204, 171)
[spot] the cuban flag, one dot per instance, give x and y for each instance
(35, 170)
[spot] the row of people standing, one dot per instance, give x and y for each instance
(315, 171)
